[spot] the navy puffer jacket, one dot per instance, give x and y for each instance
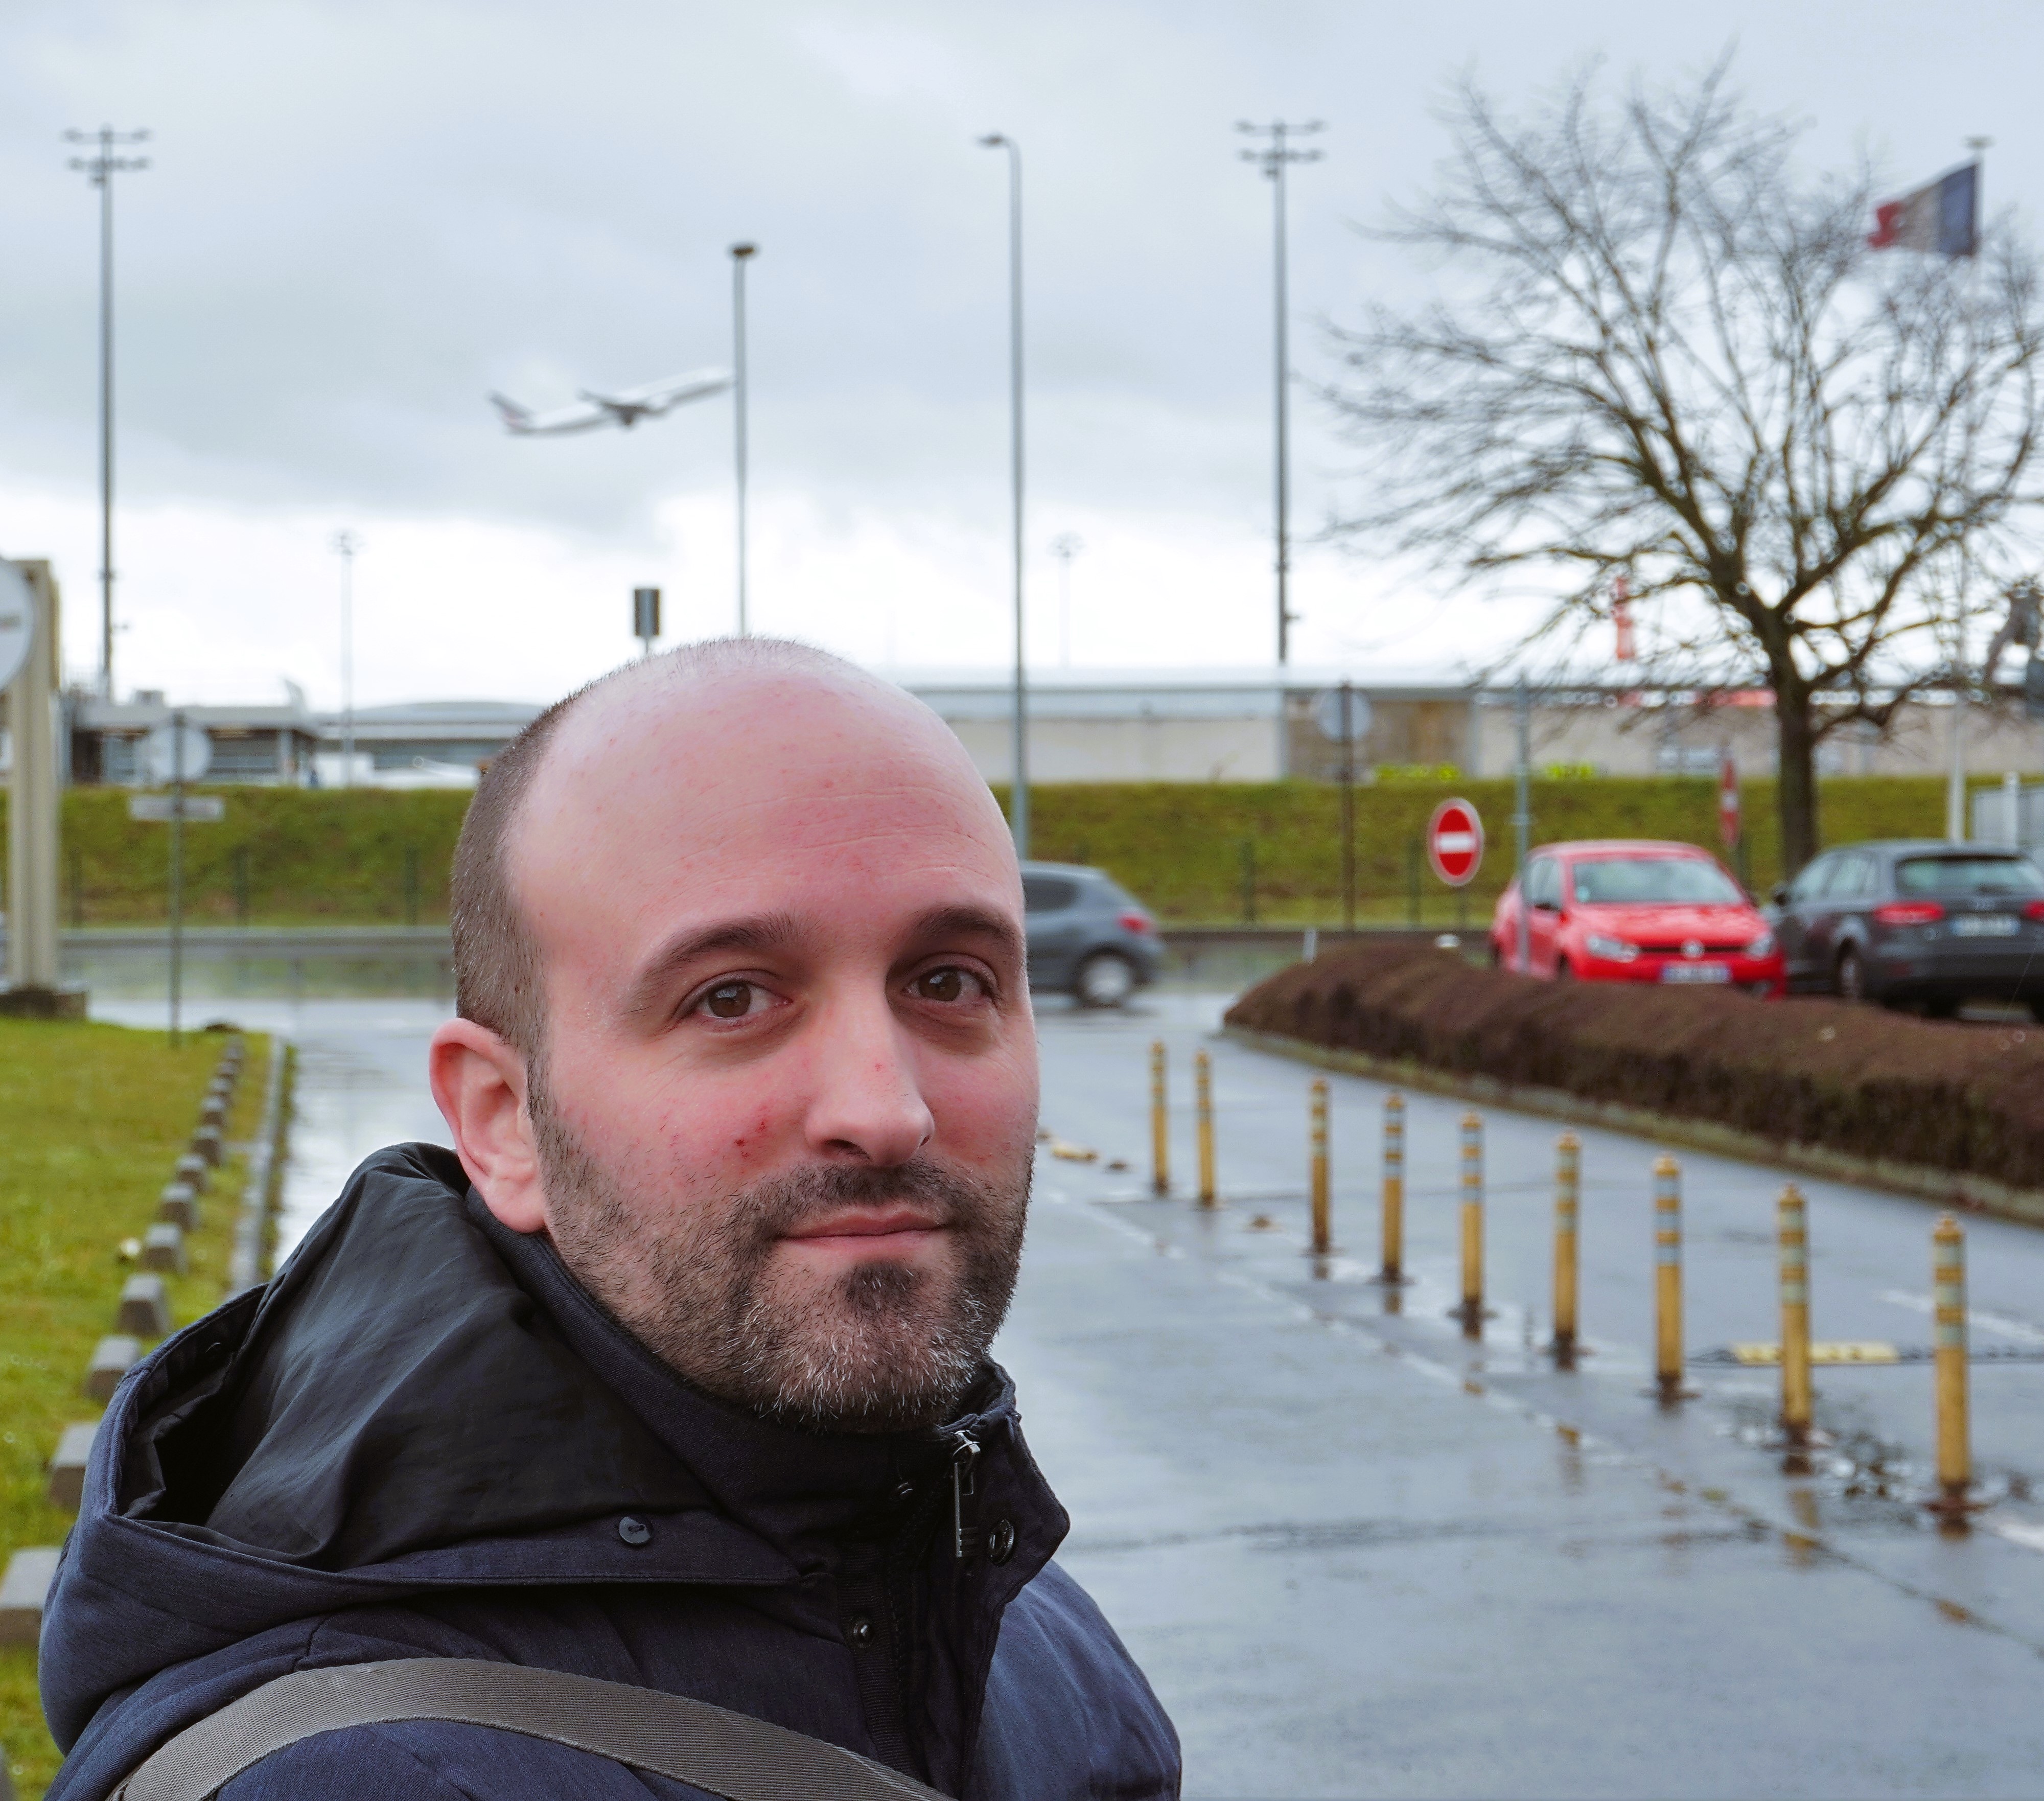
(423, 1438)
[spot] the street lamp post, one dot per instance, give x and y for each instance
(1274, 157)
(100, 169)
(346, 545)
(741, 254)
(1018, 811)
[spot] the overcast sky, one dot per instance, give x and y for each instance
(361, 217)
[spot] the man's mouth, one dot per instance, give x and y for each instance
(868, 1229)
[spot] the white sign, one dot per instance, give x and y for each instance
(161, 809)
(18, 622)
(1327, 715)
(159, 755)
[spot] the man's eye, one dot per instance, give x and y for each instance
(734, 1000)
(948, 985)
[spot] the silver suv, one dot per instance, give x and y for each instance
(1087, 935)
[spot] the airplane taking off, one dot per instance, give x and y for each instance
(626, 409)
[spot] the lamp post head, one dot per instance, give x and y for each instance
(993, 140)
(740, 252)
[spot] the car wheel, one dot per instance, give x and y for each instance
(1103, 979)
(1941, 1009)
(1851, 982)
(1562, 972)
(2037, 1011)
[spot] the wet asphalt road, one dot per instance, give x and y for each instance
(1359, 1555)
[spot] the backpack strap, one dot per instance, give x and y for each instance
(730, 1755)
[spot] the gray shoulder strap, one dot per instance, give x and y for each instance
(730, 1755)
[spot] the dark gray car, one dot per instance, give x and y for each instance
(1918, 922)
(1087, 935)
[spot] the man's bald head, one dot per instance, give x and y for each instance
(499, 976)
(740, 953)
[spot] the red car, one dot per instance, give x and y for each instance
(1641, 911)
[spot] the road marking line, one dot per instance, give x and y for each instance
(2019, 1329)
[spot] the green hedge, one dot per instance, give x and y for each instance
(302, 857)
(1181, 845)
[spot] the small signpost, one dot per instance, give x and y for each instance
(1454, 842)
(645, 618)
(1344, 716)
(1731, 817)
(176, 754)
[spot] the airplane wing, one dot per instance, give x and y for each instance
(656, 398)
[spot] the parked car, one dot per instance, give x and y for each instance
(1088, 936)
(1636, 910)
(1916, 921)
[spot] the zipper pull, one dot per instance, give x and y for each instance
(965, 1456)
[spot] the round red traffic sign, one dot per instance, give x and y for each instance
(1454, 842)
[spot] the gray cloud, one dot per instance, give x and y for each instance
(362, 216)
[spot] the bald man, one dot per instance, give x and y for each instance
(674, 1374)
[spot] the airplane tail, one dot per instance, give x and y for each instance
(516, 417)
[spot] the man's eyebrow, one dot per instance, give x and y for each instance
(969, 922)
(769, 931)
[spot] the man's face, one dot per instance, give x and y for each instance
(786, 1104)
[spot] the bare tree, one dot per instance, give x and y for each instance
(1658, 348)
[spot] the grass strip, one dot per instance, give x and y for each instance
(93, 1118)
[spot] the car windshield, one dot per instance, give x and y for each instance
(1620, 881)
(1968, 875)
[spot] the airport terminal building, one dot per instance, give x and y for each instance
(1248, 724)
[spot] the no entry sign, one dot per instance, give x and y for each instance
(1454, 842)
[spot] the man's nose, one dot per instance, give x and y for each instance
(867, 1104)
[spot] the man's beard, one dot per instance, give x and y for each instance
(881, 1348)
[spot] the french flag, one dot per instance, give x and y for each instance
(1942, 218)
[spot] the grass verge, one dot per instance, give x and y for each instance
(93, 1118)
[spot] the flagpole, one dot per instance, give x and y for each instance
(1955, 774)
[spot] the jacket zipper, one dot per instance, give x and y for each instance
(965, 1456)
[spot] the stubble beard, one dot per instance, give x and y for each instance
(884, 1347)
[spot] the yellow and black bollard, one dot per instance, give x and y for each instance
(1471, 1311)
(1160, 1123)
(1203, 1109)
(1668, 1278)
(1568, 1183)
(1394, 1188)
(1948, 1290)
(1796, 1399)
(1323, 1198)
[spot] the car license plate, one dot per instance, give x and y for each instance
(1984, 926)
(1695, 972)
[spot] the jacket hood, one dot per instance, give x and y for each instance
(422, 1399)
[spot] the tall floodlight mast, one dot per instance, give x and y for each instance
(100, 169)
(1018, 810)
(741, 254)
(1274, 157)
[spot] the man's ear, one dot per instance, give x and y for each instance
(478, 1082)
